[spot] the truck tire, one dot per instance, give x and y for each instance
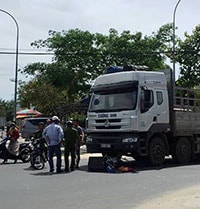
(182, 152)
(156, 152)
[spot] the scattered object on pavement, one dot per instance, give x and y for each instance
(109, 164)
(96, 164)
(126, 169)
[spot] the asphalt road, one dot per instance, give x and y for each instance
(22, 187)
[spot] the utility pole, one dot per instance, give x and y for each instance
(16, 62)
(173, 49)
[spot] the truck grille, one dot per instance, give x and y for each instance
(110, 127)
(108, 124)
(109, 120)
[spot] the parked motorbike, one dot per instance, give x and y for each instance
(28, 149)
(39, 154)
(24, 152)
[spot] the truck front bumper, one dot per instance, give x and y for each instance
(112, 143)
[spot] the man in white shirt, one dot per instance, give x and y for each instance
(53, 135)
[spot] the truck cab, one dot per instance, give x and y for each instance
(127, 109)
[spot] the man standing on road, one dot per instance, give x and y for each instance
(71, 139)
(53, 134)
(80, 140)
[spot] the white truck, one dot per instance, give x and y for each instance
(138, 113)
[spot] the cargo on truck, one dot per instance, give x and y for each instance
(140, 113)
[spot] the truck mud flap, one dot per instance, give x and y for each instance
(96, 164)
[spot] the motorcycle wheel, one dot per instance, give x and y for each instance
(25, 155)
(38, 162)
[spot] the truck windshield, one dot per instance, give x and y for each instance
(109, 101)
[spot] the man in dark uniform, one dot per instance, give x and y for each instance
(70, 142)
(80, 140)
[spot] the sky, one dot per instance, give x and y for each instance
(36, 17)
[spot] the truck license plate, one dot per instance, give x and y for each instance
(105, 146)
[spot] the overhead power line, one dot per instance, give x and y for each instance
(193, 52)
(29, 53)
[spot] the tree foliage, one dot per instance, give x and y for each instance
(6, 109)
(188, 56)
(42, 95)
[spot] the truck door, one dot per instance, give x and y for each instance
(147, 110)
(161, 102)
(153, 108)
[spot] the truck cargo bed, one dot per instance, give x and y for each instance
(187, 122)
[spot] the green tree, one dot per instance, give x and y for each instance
(42, 95)
(188, 56)
(2, 108)
(135, 49)
(6, 109)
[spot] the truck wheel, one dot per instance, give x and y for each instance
(157, 151)
(182, 152)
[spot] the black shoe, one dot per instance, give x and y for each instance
(77, 167)
(67, 170)
(50, 172)
(72, 169)
(59, 171)
(15, 161)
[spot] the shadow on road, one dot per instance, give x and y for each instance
(137, 167)
(169, 163)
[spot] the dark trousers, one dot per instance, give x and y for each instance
(4, 153)
(78, 157)
(67, 152)
(57, 151)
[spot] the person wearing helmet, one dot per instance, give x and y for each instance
(53, 135)
(70, 142)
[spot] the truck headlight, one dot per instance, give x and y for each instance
(129, 140)
(89, 139)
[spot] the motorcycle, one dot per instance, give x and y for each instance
(24, 152)
(39, 154)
